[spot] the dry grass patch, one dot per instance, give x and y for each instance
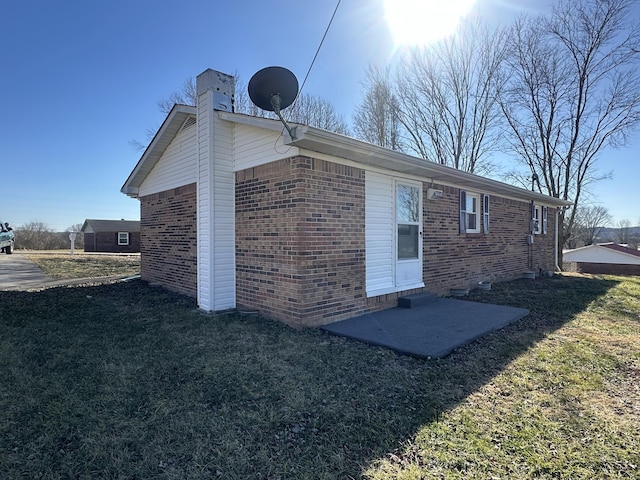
(79, 265)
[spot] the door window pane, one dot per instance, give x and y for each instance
(407, 241)
(408, 204)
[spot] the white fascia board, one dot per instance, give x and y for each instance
(161, 140)
(363, 153)
(319, 140)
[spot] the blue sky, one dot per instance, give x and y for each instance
(81, 79)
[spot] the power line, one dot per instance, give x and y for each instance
(319, 47)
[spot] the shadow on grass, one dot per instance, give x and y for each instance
(129, 381)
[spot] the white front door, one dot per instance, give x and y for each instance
(408, 202)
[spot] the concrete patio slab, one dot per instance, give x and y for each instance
(427, 331)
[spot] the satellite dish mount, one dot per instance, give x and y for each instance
(274, 89)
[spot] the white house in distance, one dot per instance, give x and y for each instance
(319, 227)
(604, 258)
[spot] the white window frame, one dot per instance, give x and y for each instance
(464, 214)
(539, 220)
(120, 238)
(414, 223)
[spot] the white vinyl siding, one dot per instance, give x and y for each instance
(176, 167)
(224, 240)
(216, 209)
(379, 233)
(255, 146)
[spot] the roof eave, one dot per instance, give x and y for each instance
(329, 143)
(161, 140)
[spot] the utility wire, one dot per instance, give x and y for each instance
(312, 62)
(319, 47)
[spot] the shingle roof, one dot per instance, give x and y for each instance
(110, 225)
(621, 248)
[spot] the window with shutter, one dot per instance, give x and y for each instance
(469, 212)
(539, 220)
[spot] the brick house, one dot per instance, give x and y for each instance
(114, 236)
(321, 227)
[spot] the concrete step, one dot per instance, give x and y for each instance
(417, 300)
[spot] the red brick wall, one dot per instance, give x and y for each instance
(168, 239)
(455, 260)
(300, 240)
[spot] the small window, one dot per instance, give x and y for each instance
(123, 238)
(469, 212)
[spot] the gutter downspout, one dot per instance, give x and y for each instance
(555, 242)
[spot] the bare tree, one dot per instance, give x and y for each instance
(589, 222)
(376, 118)
(79, 241)
(448, 98)
(186, 96)
(573, 90)
(623, 231)
(316, 112)
(37, 235)
(307, 109)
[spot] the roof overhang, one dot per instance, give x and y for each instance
(322, 141)
(333, 144)
(585, 255)
(163, 137)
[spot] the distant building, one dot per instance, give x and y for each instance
(114, 236)
(604, 258)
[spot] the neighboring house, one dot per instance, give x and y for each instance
(322, 227)
(609, 258)
(115, 236)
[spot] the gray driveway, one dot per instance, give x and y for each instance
(17, 272)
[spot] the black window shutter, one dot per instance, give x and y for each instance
(463, 211)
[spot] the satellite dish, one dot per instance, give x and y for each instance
(273, 89)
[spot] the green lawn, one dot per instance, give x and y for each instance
(127, 381)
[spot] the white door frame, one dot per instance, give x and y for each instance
(408, 251)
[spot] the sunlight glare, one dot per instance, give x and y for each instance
(420, 22)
